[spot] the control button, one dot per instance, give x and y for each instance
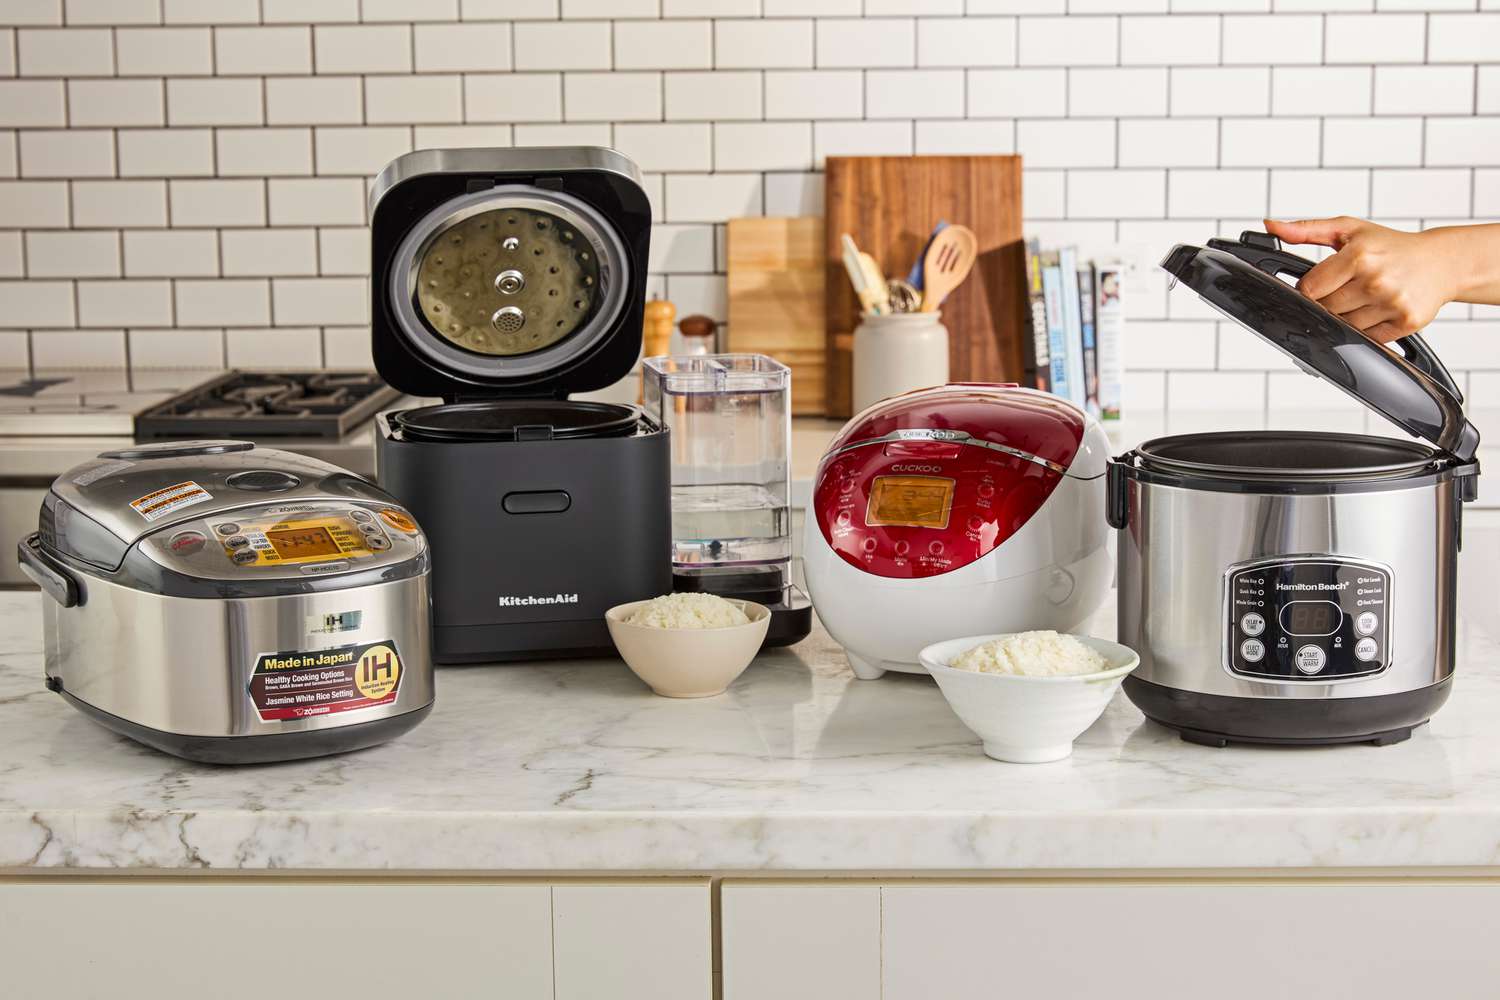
(986, 491)
(975, 522)
(1252, 624)
(935, 548)
(185, 543)
(244, 556)
(1366, 623)
(539, 502)
(401, 521)
(362, 516)
(319, 569)
(931, 451)
(869, 545)
(1366, 649)
(263, 481)
(1253, 650)
(903, 547)
(377, 543)
(845, 485)
(843, 517)
(237, 542)
(371, 529)
(228, 528)
(1311, 659)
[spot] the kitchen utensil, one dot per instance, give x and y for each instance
(891, 202)
(688, 662)
(946, 264)
(543, 511)
(904, 298)
(232, 604)
(775, 288)
(952, 511)
(914, 276)
(880, 298)
(1027, 720)
(897, 353)
(1296, 586)
(860, 278)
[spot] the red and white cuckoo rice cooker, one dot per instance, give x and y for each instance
(958, 510)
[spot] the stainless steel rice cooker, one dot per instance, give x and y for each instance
(1296, 586)
(233, 604)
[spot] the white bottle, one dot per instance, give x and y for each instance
(898, 352)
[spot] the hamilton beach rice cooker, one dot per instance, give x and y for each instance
(1296, 586)
(958, 510)
(232, 604)
(504, 280)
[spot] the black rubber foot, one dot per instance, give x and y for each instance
(1222, 740)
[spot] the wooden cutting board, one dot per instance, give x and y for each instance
(889, 205)
(776, 299)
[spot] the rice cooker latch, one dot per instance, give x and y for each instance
(1244, 280)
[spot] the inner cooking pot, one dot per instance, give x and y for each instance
(517, 420)
(1286, 455)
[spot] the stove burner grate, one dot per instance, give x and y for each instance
(325, 405)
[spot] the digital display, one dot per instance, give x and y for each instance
(1311, 618)
(302, 543)
(911, 501)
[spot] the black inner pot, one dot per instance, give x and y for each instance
(517, 419)
(1286, 454)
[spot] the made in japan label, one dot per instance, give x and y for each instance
(304, 683)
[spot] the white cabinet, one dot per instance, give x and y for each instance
(811, 941)
(241, 939)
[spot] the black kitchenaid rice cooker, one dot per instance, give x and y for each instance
(502, 281)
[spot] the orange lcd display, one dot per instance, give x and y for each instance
(910, 501)
(302, 543)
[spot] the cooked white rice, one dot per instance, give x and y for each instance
(688, 611)
(1032, 654)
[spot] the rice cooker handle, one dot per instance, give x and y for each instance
(1263, 251)
(53, 580)
(1117, 490)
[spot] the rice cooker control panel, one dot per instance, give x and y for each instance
(1307, 619)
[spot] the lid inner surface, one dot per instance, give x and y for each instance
(497, 420)
(508, 281)
(1286, 454)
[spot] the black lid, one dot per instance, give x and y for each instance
(507, 272)
(1410, 387)
(517, 420)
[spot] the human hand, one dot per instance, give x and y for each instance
(1383, 282)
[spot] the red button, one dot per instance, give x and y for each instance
(975, 522)
(843, 517)
(902, 548)
(986, 491)
(185, 543)
(869, 545)
(936, 548)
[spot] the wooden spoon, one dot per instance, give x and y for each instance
(947, 264)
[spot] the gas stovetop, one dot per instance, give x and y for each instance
(269, 405)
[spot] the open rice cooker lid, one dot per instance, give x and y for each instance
(517, 420)
(507, 272)
(1245, 280)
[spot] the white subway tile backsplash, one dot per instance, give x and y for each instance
(78, 349)
(914, 93)
(518, 97)
(343, 251)
(331, 201)
(800, 194)
(721, 96)
(1375, 38)
(1017, 93)
(164, 51)
(971, 41)
(266, 252)
(1488, 90)
(1043, 194)
(1174, 40)
(309, 11)
(72, 153)
(401, 10)
(1441, 194)
(266, 51)
(562, 45)
(1462, 38)
(1228, 91)
(1179, 345)
(358, 151)
(1069, 41)
(1321, 90)
(119, 204)
(771, 44)
(218, 202)
(1241, 350)
(460, 136)
(663, 45)
(12, 259)
(413, 99)
(174, 348)
(1487, 193)
(1122, 194)
(1372, 142)
(811, 8)
(499, 10)
(1460, 142)
(1215, 390)
(32, 12)
(329, 100)
(362, 48)
(206, 101)
(31, 304)
(682, 249)
(763, 146)
(277, 348)
(704, 294)
(713, 197)
(264, 152)
(594, 134)
(844, 42)
(448, 48)
(609, 8)
(1216, 193)
(1066, 143)
(1117, 93)
(1311, 194)
(115, 102)
(815, 94)
(210, 11)
(223, 302)
(666, 147)
(1424, 90)
(971, 137)
(320, 301)
(710, 8)
(1169, 142)
(596, 97)
(1270, 142)
(125, 303)
(32, 103)
(82, 254)
(861, 139)
(1282, 39)
(112, 11)
(347, 347)
(65, 52)
(171, 253)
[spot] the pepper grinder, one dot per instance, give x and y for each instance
(656, 334)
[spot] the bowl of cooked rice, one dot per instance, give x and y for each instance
(688, 645)
(1028, 695)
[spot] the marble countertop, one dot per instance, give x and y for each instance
(576, 766)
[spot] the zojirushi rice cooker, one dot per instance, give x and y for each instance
(1296, 586)
(233, 604)
(958, 510)
(503, 281)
